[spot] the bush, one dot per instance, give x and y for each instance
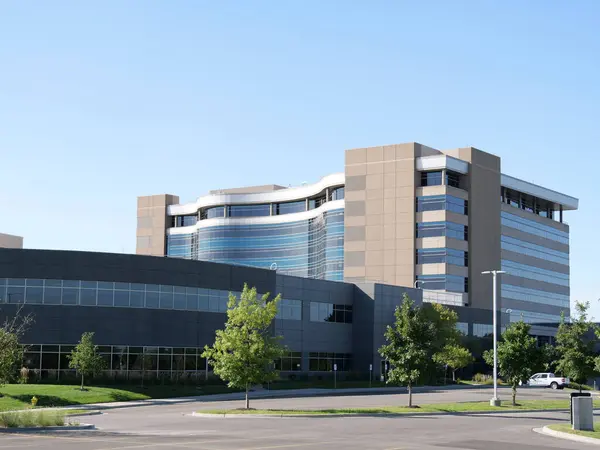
(482, 378)
(29, 419)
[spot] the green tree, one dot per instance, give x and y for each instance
(575, 342)
(11, 352)
(413, 340)
(455, 357)
(85, 358)
(518, 355)
(244, 352)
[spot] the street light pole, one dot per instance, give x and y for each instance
(495, 401)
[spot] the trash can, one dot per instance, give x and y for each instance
(582, 411)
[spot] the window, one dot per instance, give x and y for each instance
(336, 193)
(535, 273)
(442, 202)
(532, 227)
(290, 207)
(453, 179)
(291, 361)
(536, 251)
(249, 210)
(324, 362)
(328, 312)
(210, 213)
(314, 203)
(451, 283)
(442, 256)
(290, 309)
(463, 327)
(447, 229)
(535, 296)
(431, 178)
(482, 329)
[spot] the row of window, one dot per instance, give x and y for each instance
(327, 362)
(434, 178)
(290, 309)
(534, 317)
(532, 227)
(439, 229)
(482, 329)
(535, 296)
(328, 312)
(536, 251)
(535, 273)
(312, 248)
(452, 283)
(441, 203)
(442, 256)
(542, 208)
(119, 358)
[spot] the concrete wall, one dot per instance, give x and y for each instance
(10, 241)
(151, 233)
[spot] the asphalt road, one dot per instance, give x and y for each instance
(172, 426)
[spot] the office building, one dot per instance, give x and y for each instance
(10, 241)
(401, 215)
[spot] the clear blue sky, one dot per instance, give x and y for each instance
(102, 102)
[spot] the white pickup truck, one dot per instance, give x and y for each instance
(547, 379)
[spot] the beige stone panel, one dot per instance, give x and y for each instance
(457, 218)
(430, 242)
(374, 194)
(374, 206)
(389, 219)
(374, 273)
(159, 200)
(354, 259)
(405, 256)
(355, 221)
(430, 216)
(159, 221)
(374, 154)
(389, 152)
(389, 180)
(375, 245)
(405, 244)
(389, 274)
(375, 219)
(375, 168)
(406, 192)
(144, 222)
(389, 257)
(430, 269)
(405, 205)
(389, 167)
(389, 193)
(354, 246)
(373, 258)
(356, 169)
(144, 201)
(356, 156)
(404, 280)
(405, 219)
(389, 206)
(354, 272)
(406, 150)
(405, 231)
(406, 179)
(389, 233)
(144, 212)
(374, 232)
(405, 165)
(354, 196)
(430, 190)
(457, 244)
(374, 181)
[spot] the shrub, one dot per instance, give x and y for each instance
(482, 378)
(28, 419)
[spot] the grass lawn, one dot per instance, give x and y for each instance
(566, 428)
(18, 396)
(523, 405)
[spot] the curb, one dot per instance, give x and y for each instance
(388, 415)
(90, 413)
(83, 426)
(568, 436)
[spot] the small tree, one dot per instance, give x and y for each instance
(11, 352)
(85, 358)
(244, 352)
(575, 344)
(455, 357)
(518, 355)
(409, 345)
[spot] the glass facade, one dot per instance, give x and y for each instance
(289, 207)
(249, 210)
(535, 273)
(442, 256)
(535, 296)
(534, 317)
(431, 178)
(442, 202)
(290, 309)
(102, 293)
(452, 283)
(463, 327)
(328, 312)
(438, 229)
(323, 362)
(482, 329)
(312, 248)
(290, 362)
(533, 227)
(536, 251)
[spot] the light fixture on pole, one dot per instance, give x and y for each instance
(495, 401)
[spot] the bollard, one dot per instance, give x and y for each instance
(583, 413)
